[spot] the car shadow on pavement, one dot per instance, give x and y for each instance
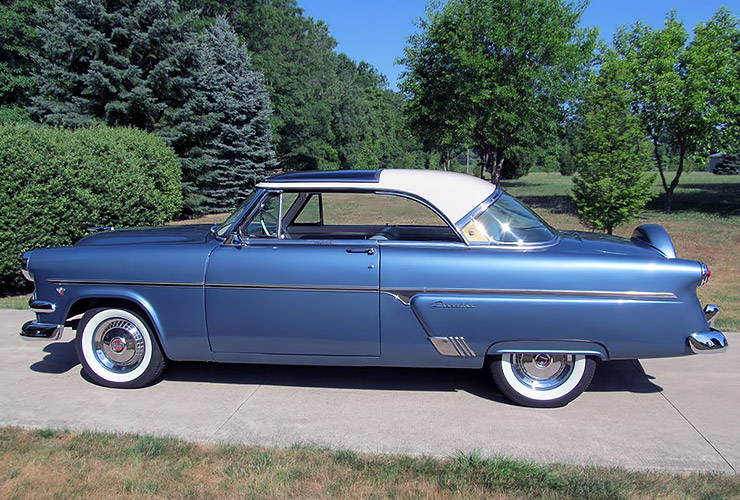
(626, 376)
(619, 376)
(60, 358)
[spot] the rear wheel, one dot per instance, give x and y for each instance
(542, 380)
(117, 348)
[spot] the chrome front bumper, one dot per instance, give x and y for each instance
(41, 331)
(710, 341)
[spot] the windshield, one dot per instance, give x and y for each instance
(508, 221)
(225, 226)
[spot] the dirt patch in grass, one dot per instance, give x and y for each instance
(52, 464)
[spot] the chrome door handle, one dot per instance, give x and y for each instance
(369, 251)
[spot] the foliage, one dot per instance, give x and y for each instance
(496, 73)
(611, 185)
(229, 124)
(19, 43)
(329, 111)
(57, 182)
(119, 64)
(730, 165)
(14, 114)
(686, 93)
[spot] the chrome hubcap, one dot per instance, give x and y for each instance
(541, 371)
(118, 345)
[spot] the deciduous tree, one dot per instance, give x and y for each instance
(686, 93)
(611, 184)
(497, 72)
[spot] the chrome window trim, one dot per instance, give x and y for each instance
(482, 207)
(388, 192)
(236, 224)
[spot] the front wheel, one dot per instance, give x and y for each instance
(542, 380)
(117, 348)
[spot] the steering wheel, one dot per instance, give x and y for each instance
(271, 219)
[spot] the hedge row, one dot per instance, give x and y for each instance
(57, 182)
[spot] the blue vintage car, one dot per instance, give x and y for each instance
(409, 268)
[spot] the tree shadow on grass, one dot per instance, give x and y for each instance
(722, 199)
(554, 203)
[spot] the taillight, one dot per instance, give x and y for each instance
(705, 274)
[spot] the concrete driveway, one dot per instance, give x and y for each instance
(670, 414)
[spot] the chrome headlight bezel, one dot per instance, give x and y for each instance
(24, 267)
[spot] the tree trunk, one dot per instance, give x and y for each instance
(496, 163)
(483, 160)
(668, 206)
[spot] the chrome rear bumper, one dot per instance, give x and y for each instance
(41, 331)
(707, 342)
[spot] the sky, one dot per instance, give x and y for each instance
(376, 30)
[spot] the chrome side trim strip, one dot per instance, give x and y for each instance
(405, 295)
(130, 283)
(452, 346)
(315, 288)
(311, 288)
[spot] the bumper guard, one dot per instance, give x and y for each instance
(710, 341)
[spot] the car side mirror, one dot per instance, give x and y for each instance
(233, 240)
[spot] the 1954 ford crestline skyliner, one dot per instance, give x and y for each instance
(374, 268)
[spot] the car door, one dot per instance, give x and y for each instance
(300, 297)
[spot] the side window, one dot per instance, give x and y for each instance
(370, 209)
(311, 213)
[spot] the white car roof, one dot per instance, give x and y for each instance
(453, 194)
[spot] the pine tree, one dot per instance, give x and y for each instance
(231, 118)
(122, 63)
(19, 42)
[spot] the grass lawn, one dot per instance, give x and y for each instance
(14, 302)
(52, 464)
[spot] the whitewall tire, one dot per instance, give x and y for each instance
(542, 380)
(118, 348)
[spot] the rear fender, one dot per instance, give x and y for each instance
(550, 347)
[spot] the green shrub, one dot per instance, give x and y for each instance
(56, 182)
(10, 115)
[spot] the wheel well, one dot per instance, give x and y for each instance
(83, 305)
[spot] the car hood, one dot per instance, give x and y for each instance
(585, 242)
(169, 234)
